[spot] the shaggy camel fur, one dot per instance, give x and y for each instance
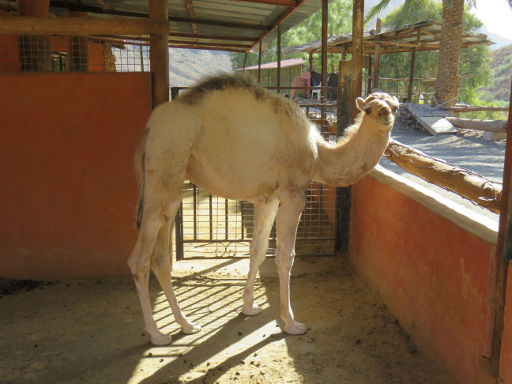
(240, 141)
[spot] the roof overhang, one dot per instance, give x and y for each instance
(229, 25)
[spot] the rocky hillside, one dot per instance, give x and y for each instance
(501, 66)
(189, 65)
(186, 66)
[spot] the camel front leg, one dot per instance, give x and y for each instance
(287, 221)
(264, 215)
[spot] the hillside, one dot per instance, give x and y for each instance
(501, 66)
(186, 66)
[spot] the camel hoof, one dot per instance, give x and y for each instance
(190, 328)
(161, 339)
(251, 311)
(295, 328)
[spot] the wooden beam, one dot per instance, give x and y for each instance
(242, 26)
(209, 48)
(213, 37)
(159, 52)
(470, 108)
(285, 15)
(25, 25)
(479, 125)
(284, 3)
(190, 12)
(205, 44)
(459, 180)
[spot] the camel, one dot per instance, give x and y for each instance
(242, 142)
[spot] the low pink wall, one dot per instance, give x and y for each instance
(432, 274)
(68, 191)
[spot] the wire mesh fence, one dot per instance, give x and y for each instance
(213, 227)
(72, 54)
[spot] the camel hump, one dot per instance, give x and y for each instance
(221, 82)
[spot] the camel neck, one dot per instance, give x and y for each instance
(352, 157)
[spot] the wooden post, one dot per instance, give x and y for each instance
(245, 62)
(259, 63)
(376, 60)
(357, 52)
(369, 79)
(323, 93)
(310, 61)
(343, 195)
(498, 280)
(278, 80)
(159, 53)
(411, 76)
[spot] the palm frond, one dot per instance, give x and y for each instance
(378, 8)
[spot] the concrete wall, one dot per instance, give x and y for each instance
(68, 192)
(429, 258)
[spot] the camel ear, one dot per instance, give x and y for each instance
(360, 103)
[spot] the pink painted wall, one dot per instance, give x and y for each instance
(506, 346)
(432, 274)
(68, 192)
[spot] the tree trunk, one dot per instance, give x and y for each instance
(447, 83)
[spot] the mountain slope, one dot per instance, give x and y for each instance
(501, 66)
(186, 66)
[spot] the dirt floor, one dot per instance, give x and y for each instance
(91, 331)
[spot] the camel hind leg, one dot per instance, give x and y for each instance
(162, 267)
(160, 206)
(139, 263)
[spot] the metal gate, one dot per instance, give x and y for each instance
(209, 226)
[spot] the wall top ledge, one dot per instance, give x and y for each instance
(465, 218)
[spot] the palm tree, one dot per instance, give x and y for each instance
(447, 83)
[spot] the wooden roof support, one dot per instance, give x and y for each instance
(376, 61)
(209, 48)
(278, 59)
(190, 11)
(498, 278)
(325, 21)
(284, 3)
(159, 52)
(25, 25)
(280, 20)
(213, 37)
(259, 61)
(227, 45)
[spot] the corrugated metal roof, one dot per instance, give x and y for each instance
(421, 36)
(284, 63)
(207, 24)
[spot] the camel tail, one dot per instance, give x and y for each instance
(140, 157)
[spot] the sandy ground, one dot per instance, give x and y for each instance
(91, 331)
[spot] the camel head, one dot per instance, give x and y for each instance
(379, 108)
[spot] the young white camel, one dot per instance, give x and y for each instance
(239, 141)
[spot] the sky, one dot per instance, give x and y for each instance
(496, 16)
